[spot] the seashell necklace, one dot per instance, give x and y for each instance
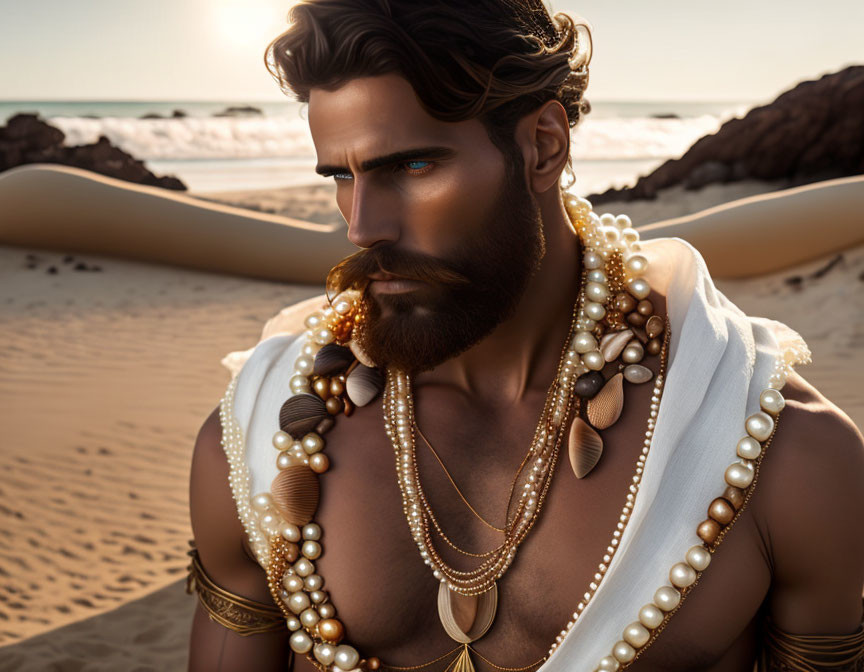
(332, 377)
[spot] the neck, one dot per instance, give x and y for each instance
(522, 353)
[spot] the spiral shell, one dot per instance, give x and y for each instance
(584, 446)
(301, 413)
(332, 359)
(295, 492)
(606, 406)
(364, 384)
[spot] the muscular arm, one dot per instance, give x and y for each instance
(219, 536)
(810, 509)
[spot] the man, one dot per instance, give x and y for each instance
(447, 131)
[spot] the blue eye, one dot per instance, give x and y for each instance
(413, 165)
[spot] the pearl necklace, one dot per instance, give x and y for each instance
(287, 543)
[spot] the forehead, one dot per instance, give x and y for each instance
(375, 115)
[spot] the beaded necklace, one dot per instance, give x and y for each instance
(287, 542)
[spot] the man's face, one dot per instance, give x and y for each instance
(451, 233)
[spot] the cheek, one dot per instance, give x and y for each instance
(443, 211)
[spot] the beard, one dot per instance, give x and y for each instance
(462, 299)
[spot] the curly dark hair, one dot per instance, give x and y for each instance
(493, 60)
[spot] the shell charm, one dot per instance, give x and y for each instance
(584, 446)
(295, 492)
(606, 406)
(301, 413)
(332, 359)
(363, 384)
(466, 617)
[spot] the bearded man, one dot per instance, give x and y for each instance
(578, 418)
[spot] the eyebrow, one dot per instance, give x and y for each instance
(390, 159)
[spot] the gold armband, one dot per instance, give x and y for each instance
(235, 612)
(784, 652)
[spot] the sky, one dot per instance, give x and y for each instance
(661, 50)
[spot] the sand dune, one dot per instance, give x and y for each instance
(105, 377)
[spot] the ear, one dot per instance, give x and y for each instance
(544, 135)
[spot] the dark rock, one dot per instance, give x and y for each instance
(81, 266)
(178, 114)
(95, 268)
(810, 133)
(239, 111)
(52, 270)
(665, 115)
(27, 139)
(68, 259)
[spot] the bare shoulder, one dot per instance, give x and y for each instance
(216, 526)
(808, 506)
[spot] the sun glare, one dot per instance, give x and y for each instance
(247, 23)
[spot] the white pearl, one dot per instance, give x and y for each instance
(346, 657)
(304, 365)
(299, 384)
(342, 307)
(313, 582)
(303, 567)
(594, 310)
(292, 583)
(594, 360)
(298, 602)
(327, 610)
(630, 236)
(323, 336)
(293, 623)
(584, 342)
(698, 557)
(312, 531)
(312, 321)
(623, 222)
(682, 575)
(667, 598)
(281, 440)
(636, 635)
(608, 664)
(596, 292)
(739, 474)
(623, 652)
(286, 459)
(300, 642)
(311, 549)
(749, 448)
(270, 523)
(324, 653)
(309, 617)
(607, 219)
(317, 596)
(310, 349)
(596, 276)
(650, 616)
(592, 260)
(638, 287)
(636, 264)
(759, 425)
(633, 353)
(771, 401)
(262, 501)
(312, 443)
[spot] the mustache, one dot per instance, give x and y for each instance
(353, 271)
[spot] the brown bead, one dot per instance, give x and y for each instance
(292, 552)
(639, 333)
(652, 347)
(334, 405)
(349, 407)
(636, 319)
(331, 630)
(721, 511)
(325, 425)
(322, 387)
(708, 531)
(373, 663)
(645, 307)
(735, 496)
(625, 302)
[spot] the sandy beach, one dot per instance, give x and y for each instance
(107, 375)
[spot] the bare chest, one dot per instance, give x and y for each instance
(387, 597)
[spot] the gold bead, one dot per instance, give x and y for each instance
(331, 630)
(721, 511)
(652, 347)
(373, 663)
(733, 495)
(322, 387)
(337, 387)
(334, 405)
(319, 463)
(708, 531)
(645, 307)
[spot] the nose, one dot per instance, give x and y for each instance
(372, 217)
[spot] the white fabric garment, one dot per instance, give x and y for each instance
(719, 363)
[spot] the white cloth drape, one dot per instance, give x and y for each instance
(719, 362)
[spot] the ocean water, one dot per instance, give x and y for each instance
(615, 144)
